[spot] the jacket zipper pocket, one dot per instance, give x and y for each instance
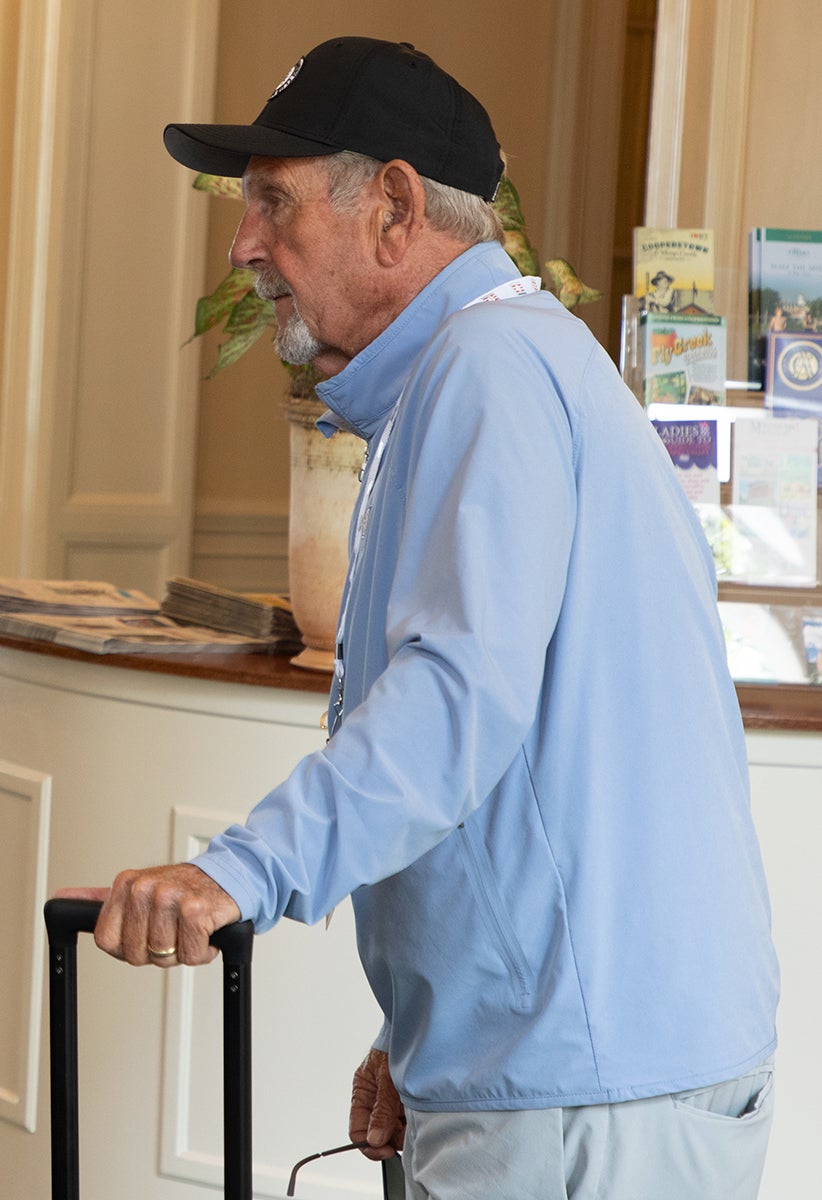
(478, 865)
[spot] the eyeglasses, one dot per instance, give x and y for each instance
(393, 1179)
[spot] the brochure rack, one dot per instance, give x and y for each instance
(755, 478)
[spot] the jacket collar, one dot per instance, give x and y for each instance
(361, 397)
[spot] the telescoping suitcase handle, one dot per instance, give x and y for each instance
(64, 920)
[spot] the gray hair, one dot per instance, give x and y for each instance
(463, 215)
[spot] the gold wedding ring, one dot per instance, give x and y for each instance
(161, 953)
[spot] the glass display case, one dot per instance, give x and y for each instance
(752, 466)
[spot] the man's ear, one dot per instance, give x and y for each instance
(400, 211)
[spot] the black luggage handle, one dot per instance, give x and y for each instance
(64, 920)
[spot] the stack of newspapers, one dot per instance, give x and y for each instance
(103, 619)
(236, 612)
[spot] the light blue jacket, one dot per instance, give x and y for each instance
(538, 795)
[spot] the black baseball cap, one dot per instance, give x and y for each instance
(383, 99)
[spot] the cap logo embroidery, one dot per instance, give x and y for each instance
(290, 77)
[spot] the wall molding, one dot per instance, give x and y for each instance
(584, 72)
(98, 400)
(29, 335)
(25, 803)
(241, 548)
(727, 155)
(125, 431)
(667, 114)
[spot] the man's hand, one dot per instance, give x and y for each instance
(147, 914)
(377, 1114)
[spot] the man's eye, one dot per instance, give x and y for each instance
(274, 206)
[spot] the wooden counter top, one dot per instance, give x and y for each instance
(781, 706)
(258, 670)
(786, 706)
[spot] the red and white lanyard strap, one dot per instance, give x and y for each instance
(521, 286)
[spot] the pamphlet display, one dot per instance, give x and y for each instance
(748, 458)
(674, 344)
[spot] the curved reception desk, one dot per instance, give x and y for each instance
(110, 762)
(107, 763)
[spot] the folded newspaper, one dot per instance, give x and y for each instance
(72, 597)
(133, 634)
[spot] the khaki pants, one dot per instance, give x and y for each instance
(705, 1144)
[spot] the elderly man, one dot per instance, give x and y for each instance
(535, 788)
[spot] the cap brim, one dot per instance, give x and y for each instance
(226, 149)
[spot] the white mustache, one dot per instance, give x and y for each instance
(294, 341)
(270, 285)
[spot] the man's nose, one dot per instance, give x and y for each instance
(248, 249)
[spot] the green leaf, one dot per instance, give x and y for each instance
(250, 312)
(229, 292)
(516, 243)
(507, 205)
(562, 278)
(247, 322)
(518, 248)
(567, 285)
(219, 185)
(234, 348)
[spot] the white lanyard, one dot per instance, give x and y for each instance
(521, 286)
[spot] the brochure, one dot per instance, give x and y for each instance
(793, 382)
(684, 358)
(674, 270)
(692, 446)
(784, 289)
(773, 509)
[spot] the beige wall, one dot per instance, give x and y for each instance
(748, 152)
(776, 128)
(9, 33)
(103, 256)
(783, 167)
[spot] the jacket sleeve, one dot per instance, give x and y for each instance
(486, 471)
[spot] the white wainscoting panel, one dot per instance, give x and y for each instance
(24, 817)
(306, 996)
(123, 383)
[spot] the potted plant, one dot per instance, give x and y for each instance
(325, 472)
